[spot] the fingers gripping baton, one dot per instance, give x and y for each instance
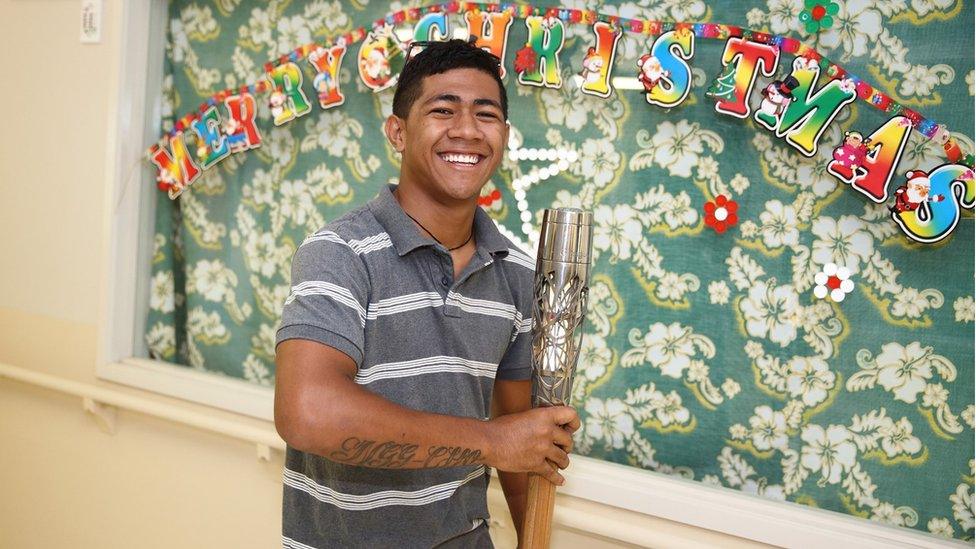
(561, 279)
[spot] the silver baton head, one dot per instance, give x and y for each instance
(559, 304)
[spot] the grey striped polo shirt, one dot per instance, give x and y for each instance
(372, 286)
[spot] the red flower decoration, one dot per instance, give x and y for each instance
(720, 214)
(525, 60)
(490, 198)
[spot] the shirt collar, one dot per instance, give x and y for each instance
(406, 238)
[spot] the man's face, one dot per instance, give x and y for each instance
(454, 135)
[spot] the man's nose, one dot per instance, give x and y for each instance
(465, 126)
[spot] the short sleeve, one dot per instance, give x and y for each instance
(329, 295)
(516, 364)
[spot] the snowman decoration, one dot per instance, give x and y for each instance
(592, 66)
(777, 96)
(277, 102)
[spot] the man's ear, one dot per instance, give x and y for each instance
(395, 129)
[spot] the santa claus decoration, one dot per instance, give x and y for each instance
(914, 193)
(651, 73)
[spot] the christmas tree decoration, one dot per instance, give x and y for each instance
(723, 87)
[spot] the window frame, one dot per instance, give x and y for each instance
(130, 204)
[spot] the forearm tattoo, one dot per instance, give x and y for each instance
(393, 455)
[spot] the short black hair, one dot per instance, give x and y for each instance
(440, 57)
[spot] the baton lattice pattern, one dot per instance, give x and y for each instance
(558, 310)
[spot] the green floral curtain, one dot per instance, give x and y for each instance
(708, 355)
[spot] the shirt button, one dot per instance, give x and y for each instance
(445, 281)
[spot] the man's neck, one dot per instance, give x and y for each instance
(451, 224)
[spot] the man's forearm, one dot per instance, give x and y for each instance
(320, 409)
(357, 427)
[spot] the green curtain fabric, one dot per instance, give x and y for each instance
(707, 355)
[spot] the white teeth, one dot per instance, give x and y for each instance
(461, 158)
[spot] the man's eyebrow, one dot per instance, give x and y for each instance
(451, 98)
(491, 102)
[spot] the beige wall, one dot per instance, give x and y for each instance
(64, 482)
(52, 157)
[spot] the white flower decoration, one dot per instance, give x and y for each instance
(965, 310)
(678, 146)
(888, 514)
(161, 295)
(940, 526)
(857, 28)
(256, 371)
(616, 229)
(829, 451)
(671, 411)
(770, 311)
(908, 303)
(782, 15)
(967, 415)
(844, 241)
(739, 183)
(608, 420)
(599, 161)
(833, 281)
(211, 279)
(768, 429)
(810, 378)
(718, 292)
(779, 225)
(903, 371)
(292, 31)
(668, 347)
(934, 395)
(738, 431)
(898, 439)
(731, 387)
(962, 506)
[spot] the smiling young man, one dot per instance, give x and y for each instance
(403, 356)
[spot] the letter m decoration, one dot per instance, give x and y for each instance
(176, 169)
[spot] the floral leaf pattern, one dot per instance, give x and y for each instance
(705, 356)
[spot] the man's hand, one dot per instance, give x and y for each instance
(535, 441)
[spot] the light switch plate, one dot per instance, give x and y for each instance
(91, 21)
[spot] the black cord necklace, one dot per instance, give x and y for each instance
(435, 238)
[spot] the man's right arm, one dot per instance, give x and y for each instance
(320, 409)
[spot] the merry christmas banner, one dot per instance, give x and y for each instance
(797, 105)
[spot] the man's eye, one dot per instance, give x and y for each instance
(488, 114)
(441, 111)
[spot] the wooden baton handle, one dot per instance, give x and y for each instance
(537, 527)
